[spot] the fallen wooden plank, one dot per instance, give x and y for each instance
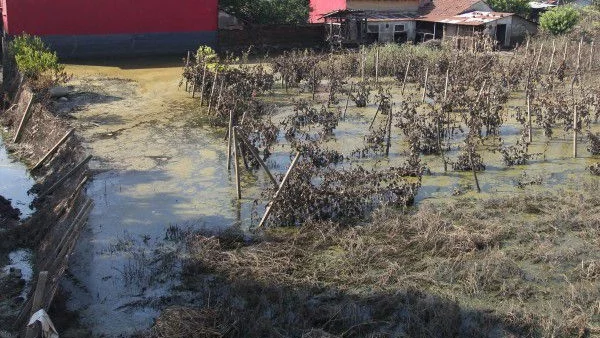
(67, 175)
(53, 150)
(24, 120)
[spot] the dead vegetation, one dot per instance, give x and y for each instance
(525, 265)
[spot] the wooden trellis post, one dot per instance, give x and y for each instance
(405, 76)
(425, 86)
(281, 186)
(244, 138)
(552, 56)
(236, 166)
(229, 137)
(575, 117)
(202, 88)
(212, 91)
(591, 62)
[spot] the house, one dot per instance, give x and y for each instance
(368, 21)
(76, 28)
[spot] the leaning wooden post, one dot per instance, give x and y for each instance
(229, 138)
(281, 186)
(38, 301)
(474, 171)
(347, 100)
(202, 86)
(236, 166)
(565, 51)
(67, 175)
(242, 136)
(24, 120)
(362, 63)
(405, 76)
(212, 91)
(552, 56)
(425, 86)
(575, 117)
(53, 150)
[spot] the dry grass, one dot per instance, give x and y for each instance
(525, 265)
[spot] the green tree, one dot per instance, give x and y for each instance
(268, 11)
(559, 20)
(510, 6)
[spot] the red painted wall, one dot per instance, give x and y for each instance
(320, 7)
(84, 17)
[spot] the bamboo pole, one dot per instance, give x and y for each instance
(425, 85)
(552, 56)
(405, 76)
(362, 63)
(24, 120)
(202, 87)
(565, 51)
(229, 137)
(212, 91)
(194, 85)
(242, 136)
(281, 186)
(446, 85)
(236, 166)
(347, 100)
(53, 149)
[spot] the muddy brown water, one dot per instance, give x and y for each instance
(160, 166)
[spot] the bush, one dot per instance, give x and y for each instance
(559, 20)
(34, 59)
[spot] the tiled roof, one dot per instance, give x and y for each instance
(446, 8)
(471, 19)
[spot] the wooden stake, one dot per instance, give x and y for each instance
(537, 61)
(552, 56)
(281, 186)
(24, 120)
(425, 86)
(220, 94)
(575, 117)
(67, 175)
(529, 132)
(194, 86)
(565, 52)
(244, 138)
(187, 64)
(389, 133)
(212, 91)
(347, 101)
(362, 63)
(53, 150)
(446, 85)
(229, 138)
(405, 76)
(590, 64)
(236, 166)
(579, 54)
(202, 87)
(377, 64)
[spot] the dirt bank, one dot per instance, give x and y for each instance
(51, 231)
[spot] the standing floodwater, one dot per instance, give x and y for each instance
(15, 182)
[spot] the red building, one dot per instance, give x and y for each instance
(321, 7)
(76, 28)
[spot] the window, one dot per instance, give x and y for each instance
(398, 28)
(373, 29)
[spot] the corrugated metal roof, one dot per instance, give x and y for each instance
(469, 19)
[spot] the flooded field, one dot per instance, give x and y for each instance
(161, 168)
